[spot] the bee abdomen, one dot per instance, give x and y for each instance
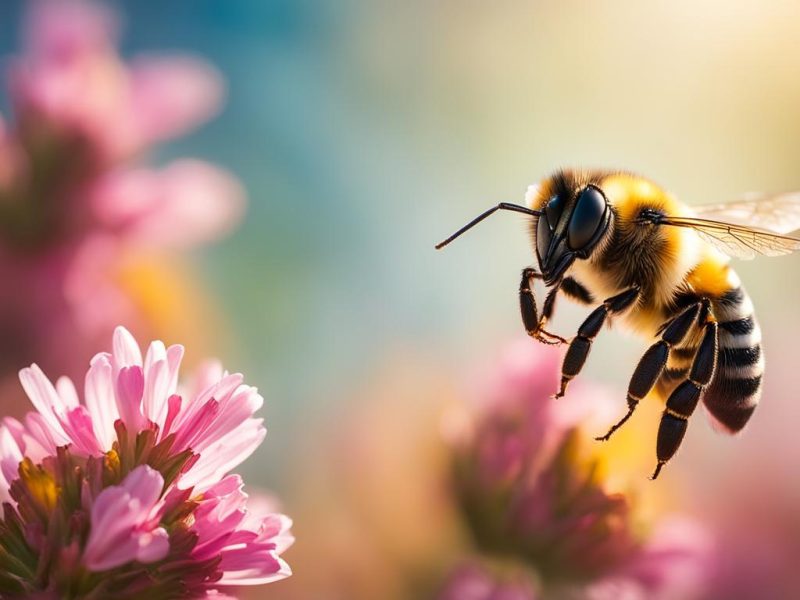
(736, 388)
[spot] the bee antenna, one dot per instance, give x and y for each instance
(488, 213)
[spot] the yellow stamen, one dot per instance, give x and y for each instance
(40, 484)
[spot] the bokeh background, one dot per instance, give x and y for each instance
(364, 132)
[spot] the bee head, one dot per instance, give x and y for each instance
(569, 228)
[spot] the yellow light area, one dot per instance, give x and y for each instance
(172, 304)
(625, 462)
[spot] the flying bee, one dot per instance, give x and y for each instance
(661, 268)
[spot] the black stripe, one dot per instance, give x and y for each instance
(672, 374)
(732, 298)
(683, 353)
(575, 290)
(743, 387)
(740, 357)
(740, 326)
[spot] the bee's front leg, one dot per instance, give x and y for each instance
(534, 324)
(580, 345)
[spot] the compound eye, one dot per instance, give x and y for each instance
(586, 218)
(553, 211)
(543, 235)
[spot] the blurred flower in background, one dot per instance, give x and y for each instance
(129, 493)
(475, 581)
(526, 484)
(482, 487)
(89, 234)
(532, 488)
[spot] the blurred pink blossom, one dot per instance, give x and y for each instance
(474, 581)
(135, 473)
(72, 78)
(530, 488)
(184, 204)
(75, 200)
(521, 481)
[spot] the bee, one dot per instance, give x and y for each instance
(623, 244)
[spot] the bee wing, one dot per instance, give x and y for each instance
(776, 212)
(738, 241)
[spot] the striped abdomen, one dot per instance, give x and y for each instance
(734, 393)
(735, 389)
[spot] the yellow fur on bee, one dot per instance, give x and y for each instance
(712, 277)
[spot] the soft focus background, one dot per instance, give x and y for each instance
(364, 132)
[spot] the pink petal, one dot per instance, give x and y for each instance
(174, 359)
(67, 392)
(16, 429)
(101, 400)
(40, 440)
(161, 367)
(130, 386)
(193, 431)
(248, 566)
(218, 459)
(173, 408)
(45, 399)
(153, 545)
(78, 425)
(219, 391)
(172, 95)
(145, 204)
(120, 523)
(276, 528)
(10, 457)
(154, 397)
(155, 351)
(144, 484)
(234, 410)
(126, 351)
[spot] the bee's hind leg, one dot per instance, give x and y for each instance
(684, 398)
(534, 324)
(580, 345)
(652, 364)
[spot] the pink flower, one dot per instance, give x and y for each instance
(76, 200)
(528, 482)
(72, 79)
(520, 478)
(139, 468)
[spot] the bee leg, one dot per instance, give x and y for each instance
(580, 345)
(684, 398)
(652, 364)
(530, 315)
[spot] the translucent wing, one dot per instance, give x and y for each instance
(776, 212)
(738, 241)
